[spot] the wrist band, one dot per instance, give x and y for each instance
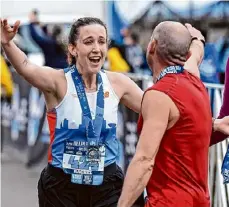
(196, 38)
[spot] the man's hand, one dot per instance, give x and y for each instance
(196, 51)
(194, 32)
(222, 125)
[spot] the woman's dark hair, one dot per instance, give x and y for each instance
(74, 32)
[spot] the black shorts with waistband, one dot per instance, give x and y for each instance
(55, 189)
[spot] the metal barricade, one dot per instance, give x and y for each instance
(219, 192)
(33, 108)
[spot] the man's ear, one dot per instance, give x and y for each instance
(152, 47)
(72, 49)
(188, 55)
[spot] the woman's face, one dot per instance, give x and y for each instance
(91, 48)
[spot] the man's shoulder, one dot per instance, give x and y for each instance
(156, 99)
(166, 82)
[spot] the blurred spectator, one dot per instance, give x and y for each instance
(51, 44)
(20, 42)
(209, 66)
(134, 52)
(117, 62)
(6, 81)
(223, 54)
(145, 67)
(125, 32)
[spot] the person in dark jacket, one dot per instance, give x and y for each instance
(51, 45)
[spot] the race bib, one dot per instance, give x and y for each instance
(84, 163)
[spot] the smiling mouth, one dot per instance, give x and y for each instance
(95, 60)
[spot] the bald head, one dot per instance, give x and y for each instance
(173, 41)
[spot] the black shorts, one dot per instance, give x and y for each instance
(56, 190)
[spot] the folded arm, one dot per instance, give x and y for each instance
(220, 130)
(221, 125)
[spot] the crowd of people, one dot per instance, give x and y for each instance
(129, 53)
(126, 56)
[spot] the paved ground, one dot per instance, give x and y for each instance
(18, 184)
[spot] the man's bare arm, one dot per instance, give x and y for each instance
(196, 51)
(155, 112)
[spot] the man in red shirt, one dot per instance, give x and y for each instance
(171, 159)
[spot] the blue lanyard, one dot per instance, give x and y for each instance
(170, 70)
(93, 127)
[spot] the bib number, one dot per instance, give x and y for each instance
(84, 163)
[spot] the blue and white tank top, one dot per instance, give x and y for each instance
(66, 121)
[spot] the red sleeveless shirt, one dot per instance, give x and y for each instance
(180, 173)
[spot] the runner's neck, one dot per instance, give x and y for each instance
(89, 79)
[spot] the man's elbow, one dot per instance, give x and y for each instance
(147, 162)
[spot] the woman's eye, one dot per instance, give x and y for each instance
(88, 42)
(102, 42)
